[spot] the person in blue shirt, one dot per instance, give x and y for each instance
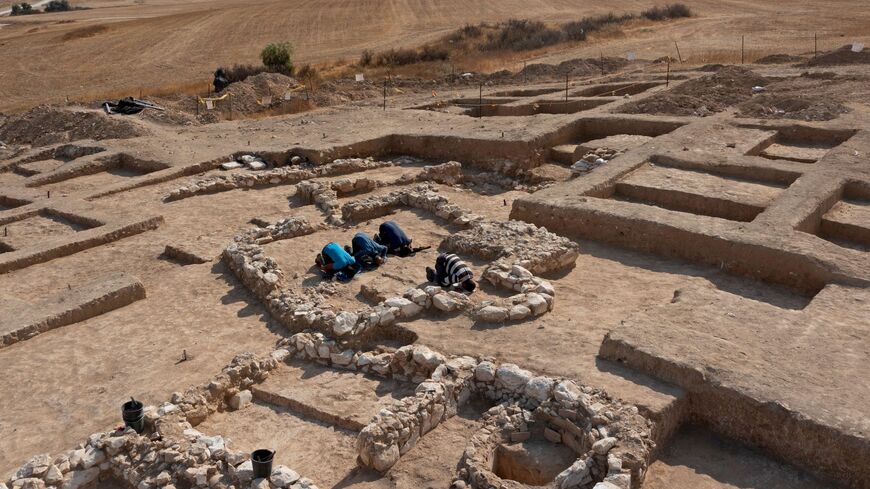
(368, 253)
(396, 241)
(334, 261)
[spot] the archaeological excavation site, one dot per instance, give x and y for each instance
(671, 268)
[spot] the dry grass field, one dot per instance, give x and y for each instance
(122, 46)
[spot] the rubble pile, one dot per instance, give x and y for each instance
(169, 453)
(423, 196)
(526, 245)
(593, 159)
(287, 175)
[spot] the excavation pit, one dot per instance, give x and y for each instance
(801, 144)
(846, 222)
(529, 92)
(695, 192)
(7, 203)
(615, 89)
(341, 398)
(554, 106)
(534, 462)
(47, 224)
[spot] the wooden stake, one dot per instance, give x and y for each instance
(742, 49)
(815, 44)
(679, 56)
(385, 95)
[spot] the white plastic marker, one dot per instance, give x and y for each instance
(632, 56)
(857, 47)
(360, 77)
(209, 105)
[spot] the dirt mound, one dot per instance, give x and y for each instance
(259, 92)
(767, 106)
(841, 56)
(778, 59)
(809, 97)
(572, 67)
(711, 68)
(702, 96)
(44, 125)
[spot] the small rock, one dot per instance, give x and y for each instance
(512, 377)
(344, 323)
(260, 483)
(552, 435)
(484, 372)
(601, 447)
(245, 471)
(283, 476)
(492, 314)
(240, 400)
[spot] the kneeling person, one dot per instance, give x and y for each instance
(451, 271)
(367, 252)
(335, 261)
(394, 238)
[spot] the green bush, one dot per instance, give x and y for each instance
(22, 9)
(58, 6)
(278, 57)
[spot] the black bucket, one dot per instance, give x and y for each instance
(262, 461)
(133, 413)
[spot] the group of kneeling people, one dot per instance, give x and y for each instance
(365, 253)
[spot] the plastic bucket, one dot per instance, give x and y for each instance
(262, 461)
(133, 413)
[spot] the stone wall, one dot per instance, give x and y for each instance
(287, 175)
(612, 439)
(169, 453)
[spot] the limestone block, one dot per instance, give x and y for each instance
(485, 372)
(601, 447)
(240, 400)
(492, 314)
(538, 388)
(283, 477)
(512, 377)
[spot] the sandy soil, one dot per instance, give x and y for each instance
(699, 460)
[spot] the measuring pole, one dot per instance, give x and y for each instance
(679, 56)
(385, 95)
(742, 49)
(602, 62)
(815, 44)
(566, 90)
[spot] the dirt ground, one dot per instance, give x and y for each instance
(78, 374)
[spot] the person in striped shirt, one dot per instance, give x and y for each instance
(451, 271)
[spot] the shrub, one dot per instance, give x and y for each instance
(307, 71)
(58, 6)
(433, 53)
(239, 72)
(672, 11)
(521, 35)
(22, 9)
(278, 57)
(397, 57)
(366, 57)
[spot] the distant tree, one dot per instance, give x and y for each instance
(58, 6)
(278, 57)
(22, 9)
